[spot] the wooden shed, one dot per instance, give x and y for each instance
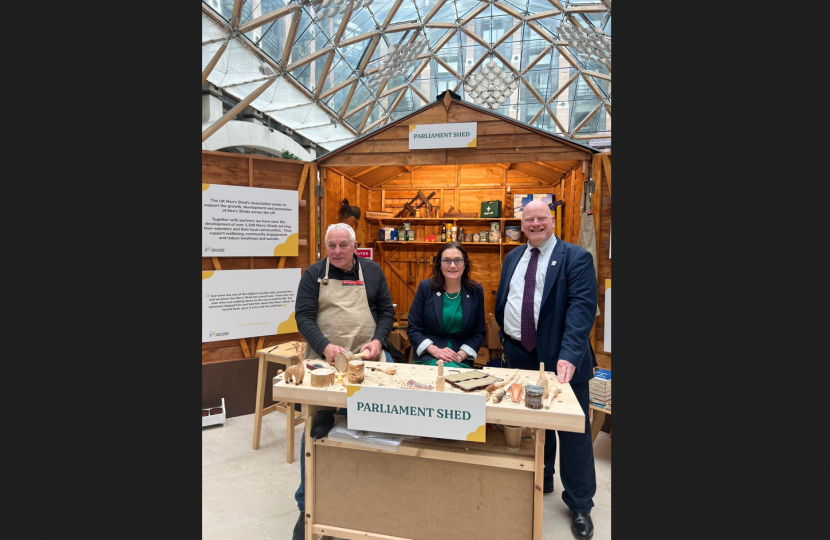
(379, 173)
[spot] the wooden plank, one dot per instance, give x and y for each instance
(538, 483)
(245, 349)
(421, 157)
(260, 396)
(449, 453)
(310, 415)
(351, 534)
(606, 167)
(303, 176)
(312, 219)
(469, 156)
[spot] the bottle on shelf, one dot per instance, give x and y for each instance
(444, 233)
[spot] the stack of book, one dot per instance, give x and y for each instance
(599, 389)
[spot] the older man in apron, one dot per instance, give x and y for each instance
(343, 303)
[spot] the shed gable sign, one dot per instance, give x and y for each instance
(438, 136)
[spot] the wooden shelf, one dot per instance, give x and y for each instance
(436, 220)
(409, 243)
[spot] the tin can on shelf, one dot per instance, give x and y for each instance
(468, 237)
(533, 396)
(407, 226)
(476, 237)
(495, 226)
(513, 233)
(483, 236)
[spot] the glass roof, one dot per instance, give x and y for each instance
(343, 68)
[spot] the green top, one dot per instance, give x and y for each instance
(450, 325)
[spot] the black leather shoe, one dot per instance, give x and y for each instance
(581, 524)
(548, 488)
(299, 528)
(322, 427)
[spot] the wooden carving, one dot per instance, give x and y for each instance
(542, 380)
(356, 371)
(321, 378)
(295, 372)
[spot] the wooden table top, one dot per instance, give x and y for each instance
(564, 414)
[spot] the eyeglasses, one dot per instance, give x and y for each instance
(458, 262)
(342, 246)
(542, 219)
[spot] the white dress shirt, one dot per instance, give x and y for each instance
(516, 291)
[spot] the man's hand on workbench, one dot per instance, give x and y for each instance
(374, 347)
(564, 371)
(331, 351)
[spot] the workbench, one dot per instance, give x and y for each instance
(430, 489)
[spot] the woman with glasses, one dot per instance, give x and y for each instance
(446, 319)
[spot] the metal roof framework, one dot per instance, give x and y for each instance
(322, 67)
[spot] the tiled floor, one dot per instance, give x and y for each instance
(249, 495)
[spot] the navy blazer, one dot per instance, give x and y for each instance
(426, 318)
(569, 306)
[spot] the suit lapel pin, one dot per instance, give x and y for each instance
(468, 296)
(437, 294)
(553, 263)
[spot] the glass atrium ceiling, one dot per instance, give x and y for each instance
(341, 68)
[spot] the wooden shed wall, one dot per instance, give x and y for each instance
(463, 187)
(233, 381)
(602, 207)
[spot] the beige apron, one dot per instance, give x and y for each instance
(343, 313)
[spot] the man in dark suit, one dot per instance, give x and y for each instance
(545, 307)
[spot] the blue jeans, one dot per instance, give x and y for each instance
(299, 496)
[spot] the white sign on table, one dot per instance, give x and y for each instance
(242, 221)
(428, 136)
(248, 303)
(400, 411)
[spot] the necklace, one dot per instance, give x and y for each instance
(452, 297)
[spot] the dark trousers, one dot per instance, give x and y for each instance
(576, 450)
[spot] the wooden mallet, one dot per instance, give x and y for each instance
(342, 359)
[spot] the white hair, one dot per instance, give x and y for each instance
(341, 227)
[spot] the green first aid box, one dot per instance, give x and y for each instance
(491, 209)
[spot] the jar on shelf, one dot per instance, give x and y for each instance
(454, 234)
(495, 226)
(476, 237)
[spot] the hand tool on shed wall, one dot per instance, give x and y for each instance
(414, 209)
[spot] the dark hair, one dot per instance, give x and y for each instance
(436, 282)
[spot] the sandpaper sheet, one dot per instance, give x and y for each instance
(474, 384)
(467, 376)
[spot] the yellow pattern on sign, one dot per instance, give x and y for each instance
(478, 435)
(288, 326)
(412, 128)
(472, 144)
(206, 274)
(352, 389)
(289, 248)
(205, 186)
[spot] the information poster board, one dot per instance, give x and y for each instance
(240, 221)
(248, 303)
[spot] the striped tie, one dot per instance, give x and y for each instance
(528, 323)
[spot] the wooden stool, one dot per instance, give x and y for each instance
(597, 419)
(285, 354)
